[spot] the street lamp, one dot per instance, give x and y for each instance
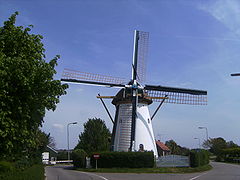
(198, 142)
(68, 138)
(206, 131)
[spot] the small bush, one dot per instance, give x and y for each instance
(199, 158)
(79, 158)
(124, 160)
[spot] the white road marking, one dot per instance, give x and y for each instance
(198, 176)
(94, 175)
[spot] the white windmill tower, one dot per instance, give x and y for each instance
(132, 126)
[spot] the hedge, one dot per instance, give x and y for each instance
(230, 155)
(79, 158)
(199, 157)
(124, 160)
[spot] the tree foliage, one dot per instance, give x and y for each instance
(176, 149)
(217, 145)
(41, 141)
(95, 136)
(231, 144)
(172, 145)
(27, 87)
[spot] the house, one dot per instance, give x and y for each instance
(162, 149)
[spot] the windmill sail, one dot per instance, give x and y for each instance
(177, 95)
(90, 78)
(142, 55)
(134, 89)
(235, 74)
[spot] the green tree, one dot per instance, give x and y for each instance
(27, 87)
(95, 136)
(172, 145)
(184, 151)
(63, 155)
(215, 145)
(41, 141)
(231, 144)
(177, 149)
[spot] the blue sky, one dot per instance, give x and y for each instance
(193, 44)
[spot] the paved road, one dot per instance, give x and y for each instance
(65, 173)
(220, 171)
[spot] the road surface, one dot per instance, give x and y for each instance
(220, 171)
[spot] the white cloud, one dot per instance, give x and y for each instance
(58, 126)
(79, 89)
(226, 12)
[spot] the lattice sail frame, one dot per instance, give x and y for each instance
(178, 98)
(73, 74)
(142, 55)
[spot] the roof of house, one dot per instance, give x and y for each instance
(162, 146)
(52, 149)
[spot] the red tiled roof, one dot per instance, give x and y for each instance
(162, 146)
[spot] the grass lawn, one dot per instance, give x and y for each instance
(150, 170)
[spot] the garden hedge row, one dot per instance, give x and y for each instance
(199, 157)
(124, 160)
(79, 158)
(230, 155)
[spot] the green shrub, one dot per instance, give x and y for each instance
(79, 158)
(124, 160)
(199, 158)
(5, 166)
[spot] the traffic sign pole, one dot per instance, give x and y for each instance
(96, 157)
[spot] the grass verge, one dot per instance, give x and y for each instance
(150, 170)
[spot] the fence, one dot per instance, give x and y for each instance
(173, 161)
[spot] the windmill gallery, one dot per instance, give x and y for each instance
(132, 125)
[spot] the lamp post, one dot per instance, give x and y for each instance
(198, 142)
(206, 131)
(68, 138)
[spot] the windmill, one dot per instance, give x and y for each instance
(132, 125)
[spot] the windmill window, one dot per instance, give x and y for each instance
(148, 121)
